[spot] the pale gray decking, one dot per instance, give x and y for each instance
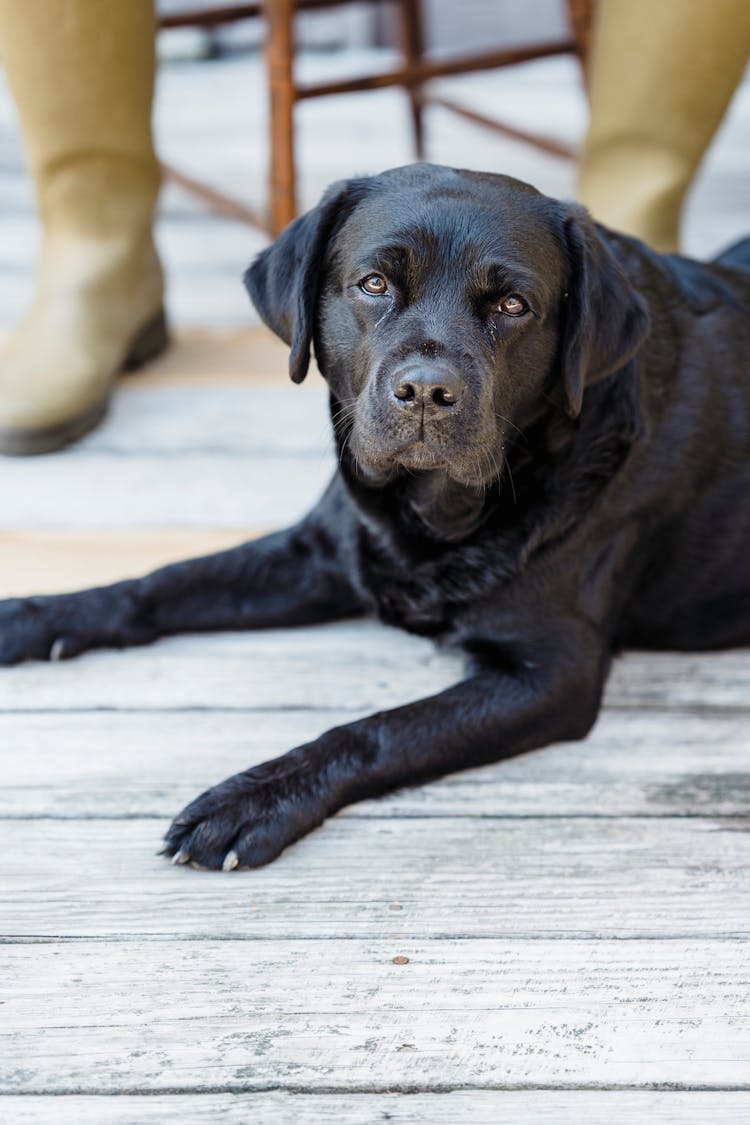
(575, 922)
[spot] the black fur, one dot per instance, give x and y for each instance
(539, 487)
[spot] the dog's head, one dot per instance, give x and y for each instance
(446, 309)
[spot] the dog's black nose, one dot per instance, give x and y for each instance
(428, 387)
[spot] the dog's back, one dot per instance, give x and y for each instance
(737, 255)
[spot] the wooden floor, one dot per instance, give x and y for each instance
(559, 939)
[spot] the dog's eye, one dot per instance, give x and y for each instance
(513, 305)
(375, 285)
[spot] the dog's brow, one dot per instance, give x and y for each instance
(392, 260)
(507, 275)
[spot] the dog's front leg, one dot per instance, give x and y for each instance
(292, 577)
(247, 820)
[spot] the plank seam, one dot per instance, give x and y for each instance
(394, 815)
(389, 1088)
(578, 937)
(708, 709)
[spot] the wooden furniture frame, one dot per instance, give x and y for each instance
(414, 75)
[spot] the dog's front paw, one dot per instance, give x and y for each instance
(247, 820)
(29, 631)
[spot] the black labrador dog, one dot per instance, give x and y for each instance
(544, 439)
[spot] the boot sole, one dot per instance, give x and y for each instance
(150, 342)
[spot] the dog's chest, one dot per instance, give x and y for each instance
(404, 593)
(427, 595)
(408, 607)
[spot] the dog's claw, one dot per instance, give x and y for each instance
(57, 651)
(181, 857)
(231, 860)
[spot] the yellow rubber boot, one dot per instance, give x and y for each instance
(662, 73)
(82, 75)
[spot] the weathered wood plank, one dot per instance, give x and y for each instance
(342, 1015)
(262, 422)
(354, 665)
(651, 679)
(99, 491)
(150, 764)
(446, 876)
(55, 562)
(348, 664)
(245, 357)
(481, 1107)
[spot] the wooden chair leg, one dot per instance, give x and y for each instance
(581, 18)
(281, 90)
(411, 28)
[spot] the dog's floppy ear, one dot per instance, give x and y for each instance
(283, 280)
(606, 320)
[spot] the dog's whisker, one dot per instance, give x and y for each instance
(513, 425)
(512, 482)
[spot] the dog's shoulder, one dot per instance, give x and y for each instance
(688, 285)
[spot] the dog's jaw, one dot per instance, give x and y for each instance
(431, 503)
(449, 511)
(476, 466)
